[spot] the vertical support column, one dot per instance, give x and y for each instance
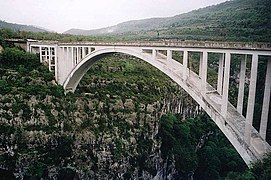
(154, 54)
(56, 62)
(266, 100)
(77, 55)
(200, 64)
(89, 50)
(185, 62)
(220, 73)
(80, 53)
(169, 55)
(67, 53)
(40, 48)
(241, 85)
(224, 104)
(204, 61)
(251, 98)
(83, 52)
(46, 53)
(49, 58)
(72, 57)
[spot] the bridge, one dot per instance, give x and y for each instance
(70, 61)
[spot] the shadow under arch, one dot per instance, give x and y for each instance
(231, 132)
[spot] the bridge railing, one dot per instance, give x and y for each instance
(179, 43)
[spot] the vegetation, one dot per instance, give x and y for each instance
(198, 148)
(19, 27)
(108, 127)
(47, 125)
(236, 20)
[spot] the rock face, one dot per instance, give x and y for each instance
(86, 135)
(99, 141)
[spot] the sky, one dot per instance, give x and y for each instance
(62, 15)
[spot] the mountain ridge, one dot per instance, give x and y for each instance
(237, 19)
(21, 27)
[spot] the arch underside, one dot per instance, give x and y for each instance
(232, 125)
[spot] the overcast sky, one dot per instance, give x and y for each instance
(61, 15)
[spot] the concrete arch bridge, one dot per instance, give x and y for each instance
(70, 61)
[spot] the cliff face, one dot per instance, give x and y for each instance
(107, 129)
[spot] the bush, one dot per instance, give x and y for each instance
(14, 56)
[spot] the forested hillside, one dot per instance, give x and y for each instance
(236, 20)
(110, 128)
(20, 27)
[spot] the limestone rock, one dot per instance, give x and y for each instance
(129, 105)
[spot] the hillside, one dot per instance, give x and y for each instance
(20, 27)
(109, 128)
(243, 20)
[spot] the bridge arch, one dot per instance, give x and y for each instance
(247, 152)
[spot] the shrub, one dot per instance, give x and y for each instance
(14, 56)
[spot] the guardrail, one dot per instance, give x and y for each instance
(170, 43)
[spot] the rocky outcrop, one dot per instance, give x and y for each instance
(87, 135)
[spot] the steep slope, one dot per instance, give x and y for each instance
(233, 20)
(20, 27)
(108, 129)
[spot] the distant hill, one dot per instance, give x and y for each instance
(20, 27)
(236, 19)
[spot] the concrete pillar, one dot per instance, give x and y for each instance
(72, 56)
(185, 61)
(200, 64)
(154, 52)
(224, 104)
(89, 50)
(203, 77)
(40, 54)
(49, 58)
(241, 84)
(56, 62)
(169, 55)
(83, 52)
(251, 98)
(77, 55)
(266, 100)
(46, 53)
(220, 73)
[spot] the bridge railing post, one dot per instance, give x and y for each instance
(251, 98)
(224, 104)
(266, 100)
